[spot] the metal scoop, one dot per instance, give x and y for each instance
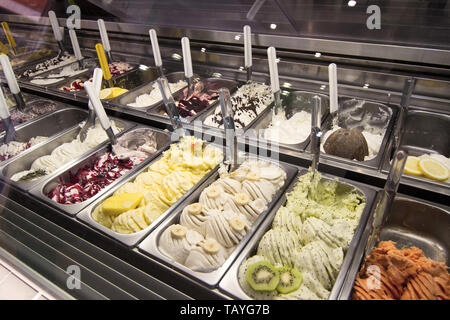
(387, 199)
(274, 78)
(57, 31)
(187, 62)
(6, 117)
(90, 121)
(101, 114)
(316, 133)
(12, 82)
(171, 109)
(232, 152)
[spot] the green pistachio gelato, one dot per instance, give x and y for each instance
(310, 233)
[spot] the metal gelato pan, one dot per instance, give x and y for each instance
(54, 78)
(47, 126)
(230, 283)
(25, 159)
(37, 108)
(211, 111)
(362, 114)
(211, 84)
(31, 57)
(134, 79)
(10, 101)
(150, 245)
(132, 239)
(295, 102)
(40, 191)
(424, 133)
(410, 222)
(130, 97)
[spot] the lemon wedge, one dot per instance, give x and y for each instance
(117, 92)
(121, 203)
(106, 93)
(433, 169)
(412, 166)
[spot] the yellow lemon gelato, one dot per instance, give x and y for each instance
(161, 185)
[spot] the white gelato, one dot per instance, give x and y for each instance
(154, 96)
(65, 72)
(66, 152)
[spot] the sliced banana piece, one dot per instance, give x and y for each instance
(210, 246)
(237, 224)
(178, 231)
(194, 208)
(253, 176)
(242, 198)
(213, 192)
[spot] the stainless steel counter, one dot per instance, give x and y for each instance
(219, 55)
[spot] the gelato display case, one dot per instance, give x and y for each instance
(156, 208)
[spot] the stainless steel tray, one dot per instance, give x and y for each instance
(230, 284)
(373, 108)
(219, 131)
(87, 63)
(41, 190)
(133, 239)
(31, 100)
(29, 66)
(48, 125)
(150, 244)
(295, 102)
(9, 97)
(425, 132)
(86, 76)
(29, 56)
(24, 160)
(411, 222)
(130, 97)
(216, 83)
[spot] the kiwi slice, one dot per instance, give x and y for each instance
(290, 280)
(262, 276)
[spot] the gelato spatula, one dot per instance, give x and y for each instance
(103, 63)
(105, 39)
(187, 62)
(12, 82)
(316, 133)
(386, 199)
(171, 108)
(9, 37)
(332, 83)
(4, 49)
(274, 79)
(408, 89)
(156, 52)
(248, 51)
(56, 31)
(76, 47)
(230, 131)
(97, 81)
(6, 117)
(101, 114)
